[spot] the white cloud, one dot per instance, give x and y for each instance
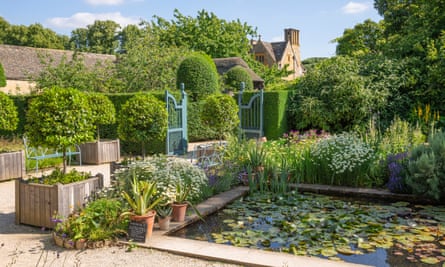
(81, 20)
(355, 8)
(104, 2)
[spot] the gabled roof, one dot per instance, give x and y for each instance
(225, 64)
(21, 62)
(278, 49)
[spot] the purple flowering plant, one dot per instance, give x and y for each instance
(396, 167)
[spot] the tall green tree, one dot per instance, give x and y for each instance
(206, 32)
(100, 37)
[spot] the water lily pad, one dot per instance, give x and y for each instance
(329, 252)
(430, 260)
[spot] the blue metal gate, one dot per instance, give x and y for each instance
(251, 114)
(177, 141)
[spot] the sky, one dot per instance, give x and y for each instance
(319, 21)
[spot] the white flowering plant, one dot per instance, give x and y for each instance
(168, 172)
(344, 159)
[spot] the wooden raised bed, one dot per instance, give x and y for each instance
(36, 204)
(104, 151)
(12, 165)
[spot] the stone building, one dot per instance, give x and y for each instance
(284, 53)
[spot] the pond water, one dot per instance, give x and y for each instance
(365, 232)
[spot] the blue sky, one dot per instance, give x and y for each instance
(319, 21)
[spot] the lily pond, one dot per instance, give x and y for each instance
(366, 232)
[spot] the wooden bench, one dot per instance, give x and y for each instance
(42, 153)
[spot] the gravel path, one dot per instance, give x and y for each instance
(22, 245)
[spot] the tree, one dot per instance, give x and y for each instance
(59, 118)
(100, 37)
(363, 39)
(103, 111)
(220, 113)
(142, 119)
(8, 113)
(146, 65)
(332, 97)
(207, 33)
(198, 75)
(235, 76)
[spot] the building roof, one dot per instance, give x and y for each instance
(225, 64)
(278, 49)
(21, 62)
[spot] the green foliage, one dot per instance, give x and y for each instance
(156, 64)
(333, 97)
(8, 113)
(142, 119)
(2, 76)
(102, 109)
(207, 33)
(199, 77)
(58, 176)
(59, 118)
(220, 113)
(198, 131)
(235, 76)
(426, 168)
(99, 37)
(75, 74)
(142, 198)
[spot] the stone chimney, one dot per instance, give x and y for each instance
(292, 36)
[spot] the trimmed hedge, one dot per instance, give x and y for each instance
(2, 76)
(275, 105)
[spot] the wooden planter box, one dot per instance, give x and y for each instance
(36, 204)
(12, 165)
(104, 151)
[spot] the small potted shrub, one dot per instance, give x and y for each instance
(101, 151)
(163, 213)
(142, 200)
(12, 163)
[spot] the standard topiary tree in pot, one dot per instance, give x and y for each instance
(199, 75)
(142, 119)
(103, 113)
(235, 76)
(59, 118)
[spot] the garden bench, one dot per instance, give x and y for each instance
(208, 155)
(42, 153)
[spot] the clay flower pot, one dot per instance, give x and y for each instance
(179, 210)
(148, 219)
(164, 223)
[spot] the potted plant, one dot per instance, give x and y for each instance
(12, 163)
(142, 200)
(163, 213)
(103, 113)
(181, 202)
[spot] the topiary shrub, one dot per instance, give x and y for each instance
(235, 76)
(196, 130)
(426, 168)
(143, 119)
(2, 76)
(59, 118)
(103, 111)
(220, 113)
(199, 77)
(8, 113)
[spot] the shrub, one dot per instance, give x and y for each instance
(235, 76)
(198, 75)
(59, 118)
(2, 76)
(8, 113)
(143, 119)
(197, 131)
(220, 113)
(426, 168)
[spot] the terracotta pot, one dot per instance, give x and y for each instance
(164, 223)
(149, 219)
(69, 243)
(178, 212)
